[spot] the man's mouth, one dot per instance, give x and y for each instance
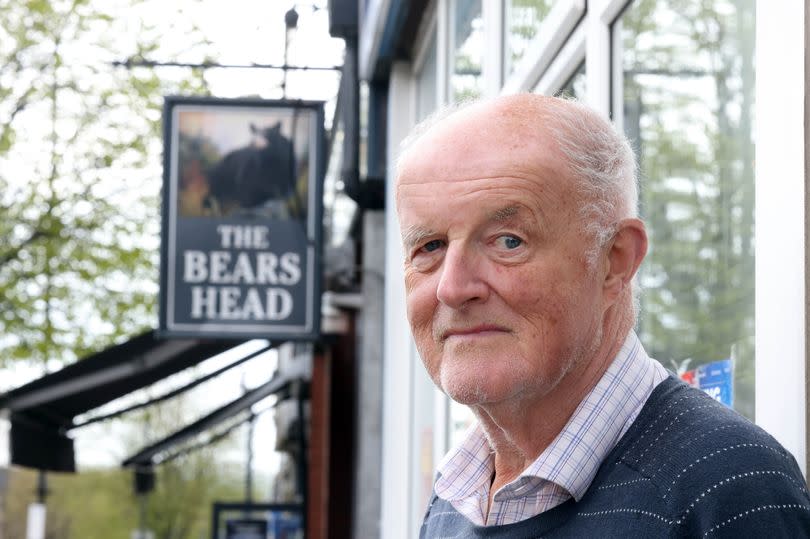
(481, 330)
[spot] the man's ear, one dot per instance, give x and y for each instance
(624, 255)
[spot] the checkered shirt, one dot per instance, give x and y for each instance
(567, 467)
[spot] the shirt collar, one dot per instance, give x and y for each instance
(573, 458)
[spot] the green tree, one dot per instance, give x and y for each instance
(80, 170)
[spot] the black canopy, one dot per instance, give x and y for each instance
(280, 386)
(42, 411)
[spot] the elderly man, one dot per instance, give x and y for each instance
(521, 241)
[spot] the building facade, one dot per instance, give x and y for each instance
(714, 102)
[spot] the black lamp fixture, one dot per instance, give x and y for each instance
(290, 24)
(291, 19)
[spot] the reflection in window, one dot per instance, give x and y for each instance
(522, 20)
(468, 50)
(688, 98)
(575, 87)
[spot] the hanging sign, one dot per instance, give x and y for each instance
(241, 227)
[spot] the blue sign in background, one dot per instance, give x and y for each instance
(717, 380)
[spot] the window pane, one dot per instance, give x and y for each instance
(688, 98)
(468, 50)
(522, 20)
(461, 417)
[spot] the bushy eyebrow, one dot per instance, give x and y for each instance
(505, 214)
(414, 235)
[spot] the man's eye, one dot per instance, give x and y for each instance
(510, 242)
(431, 246)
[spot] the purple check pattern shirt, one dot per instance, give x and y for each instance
(567, 467)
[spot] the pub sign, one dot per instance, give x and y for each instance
(241, 224)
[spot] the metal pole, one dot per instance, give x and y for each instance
(142, 515)
(290, 24)
(249, 466)
(284, 80)
(42, 487)
(297, 391)
(249, 459)
(35, 524)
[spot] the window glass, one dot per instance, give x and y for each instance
(575, 87)
(688, 105)
(465, 78)
(522, 20)
(461, 417)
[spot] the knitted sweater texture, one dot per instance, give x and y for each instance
(687, 467)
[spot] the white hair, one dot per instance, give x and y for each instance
(425, 125)
(603, 161)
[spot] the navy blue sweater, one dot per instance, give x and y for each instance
(687, 467)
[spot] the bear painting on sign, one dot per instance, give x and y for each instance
(258, 179)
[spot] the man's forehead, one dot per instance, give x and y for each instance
(487, 120)
(484, 132)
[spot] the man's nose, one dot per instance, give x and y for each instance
(461, 280)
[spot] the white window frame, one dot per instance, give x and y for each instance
(397, 344)
(493, 11)
(551, 36)
(781, 326)
(598, 67)
(565, 64)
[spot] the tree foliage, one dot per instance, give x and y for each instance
(80, 171)
(100, 503)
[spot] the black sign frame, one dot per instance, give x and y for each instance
(288, 284)
(253, 511)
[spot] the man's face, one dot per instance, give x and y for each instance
(500, 298)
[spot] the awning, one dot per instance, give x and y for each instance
(42, 411)
(165, 449)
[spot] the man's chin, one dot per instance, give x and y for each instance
(473, 392)
(475, 379)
